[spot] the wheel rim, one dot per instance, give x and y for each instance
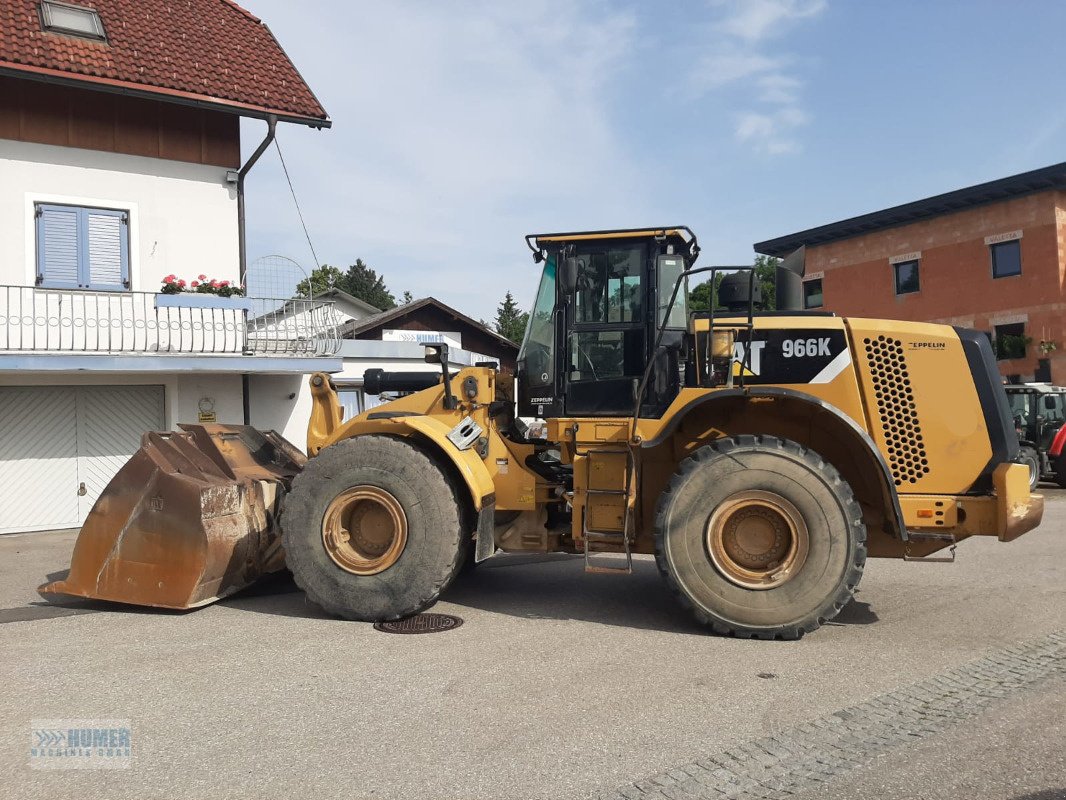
(364, 530)
(757, 539)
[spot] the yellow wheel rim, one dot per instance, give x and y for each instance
(757, 539)
(364, 530)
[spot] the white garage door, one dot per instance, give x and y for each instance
(60, 445)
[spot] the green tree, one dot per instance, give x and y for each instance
(408, 298)
(703, 296)
(322, 279)
(363, 282)
(511, 320)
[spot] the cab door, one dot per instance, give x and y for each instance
(606, 345)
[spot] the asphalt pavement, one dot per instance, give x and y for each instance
(557, 685)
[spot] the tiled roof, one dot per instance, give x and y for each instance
(199, 50)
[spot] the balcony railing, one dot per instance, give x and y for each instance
(63, 321)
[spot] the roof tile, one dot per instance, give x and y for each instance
(207, 48)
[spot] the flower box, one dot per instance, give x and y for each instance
(201, 300)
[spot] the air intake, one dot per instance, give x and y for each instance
(895, 404)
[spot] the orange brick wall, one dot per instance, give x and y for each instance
(955, 272)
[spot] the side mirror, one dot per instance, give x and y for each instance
(1050, 403)
(571, 268)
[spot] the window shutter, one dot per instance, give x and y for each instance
(107, 256)
(57, 246)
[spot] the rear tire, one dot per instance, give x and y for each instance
(383, 557)
(760, 537)
(1028, 456)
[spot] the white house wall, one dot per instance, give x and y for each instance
(183, 217)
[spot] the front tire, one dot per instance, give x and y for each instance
(760, 537)
(373, 529)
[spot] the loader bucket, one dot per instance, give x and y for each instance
(189, 519)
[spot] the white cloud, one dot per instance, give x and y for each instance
(755, 20)
(737, 60)
(771, 133)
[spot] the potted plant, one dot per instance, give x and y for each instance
(202, 292)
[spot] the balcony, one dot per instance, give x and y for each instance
(51, 321)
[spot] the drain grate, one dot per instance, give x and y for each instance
(421, 623)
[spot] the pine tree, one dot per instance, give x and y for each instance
(363, 282)
(511, 320)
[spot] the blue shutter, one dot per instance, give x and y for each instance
(106, 244)
(82, 248)
(57, 246)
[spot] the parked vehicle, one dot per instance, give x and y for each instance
(760, 456)
(1039, 412)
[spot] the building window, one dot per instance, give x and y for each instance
(72, 20)
(1006, 258)
(82, 248)
(812, 293)
(1010, 341)
(354, 402)
(906, 277)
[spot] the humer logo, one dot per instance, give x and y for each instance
(80, 744)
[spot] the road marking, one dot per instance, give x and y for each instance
(809, 755)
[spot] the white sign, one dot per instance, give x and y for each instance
(450, 338)
(902, 257)
(1003, 237)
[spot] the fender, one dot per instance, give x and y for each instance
(862, 438)
(1058, 443)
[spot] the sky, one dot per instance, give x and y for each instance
(460, 127)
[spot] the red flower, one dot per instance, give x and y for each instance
(195, 284)
(214, 283)
(224, 283)
(202, 277)
(181, 283)
(168, 279)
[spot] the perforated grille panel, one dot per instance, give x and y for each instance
(895, 404)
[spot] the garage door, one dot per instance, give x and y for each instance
(61, 445)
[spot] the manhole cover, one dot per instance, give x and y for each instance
(421, 623)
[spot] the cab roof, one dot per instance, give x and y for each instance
(537, 242)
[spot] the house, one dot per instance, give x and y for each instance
(120, 165)
(990, 256)
(428, 319)
(393, 341)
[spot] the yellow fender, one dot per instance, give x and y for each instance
(326, 427)
(468, 462)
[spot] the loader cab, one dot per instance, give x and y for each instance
(593, 324)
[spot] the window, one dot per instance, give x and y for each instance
(906, 277)
(812, 293)
(609, 286)
(670, 268)
(538, 346)
(1006, 258)
(354, 402)
(72, 20)
(1010, 341)
(82, 248)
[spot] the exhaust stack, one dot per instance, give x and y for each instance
(789, 280)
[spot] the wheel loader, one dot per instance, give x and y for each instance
(761, 456)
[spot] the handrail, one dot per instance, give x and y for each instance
(34, 319)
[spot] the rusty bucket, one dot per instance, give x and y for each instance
(189, 519)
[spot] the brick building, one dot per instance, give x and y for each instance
(991, 257)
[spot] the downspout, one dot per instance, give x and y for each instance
(242, 247)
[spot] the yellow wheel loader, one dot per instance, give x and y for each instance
(761, 456)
